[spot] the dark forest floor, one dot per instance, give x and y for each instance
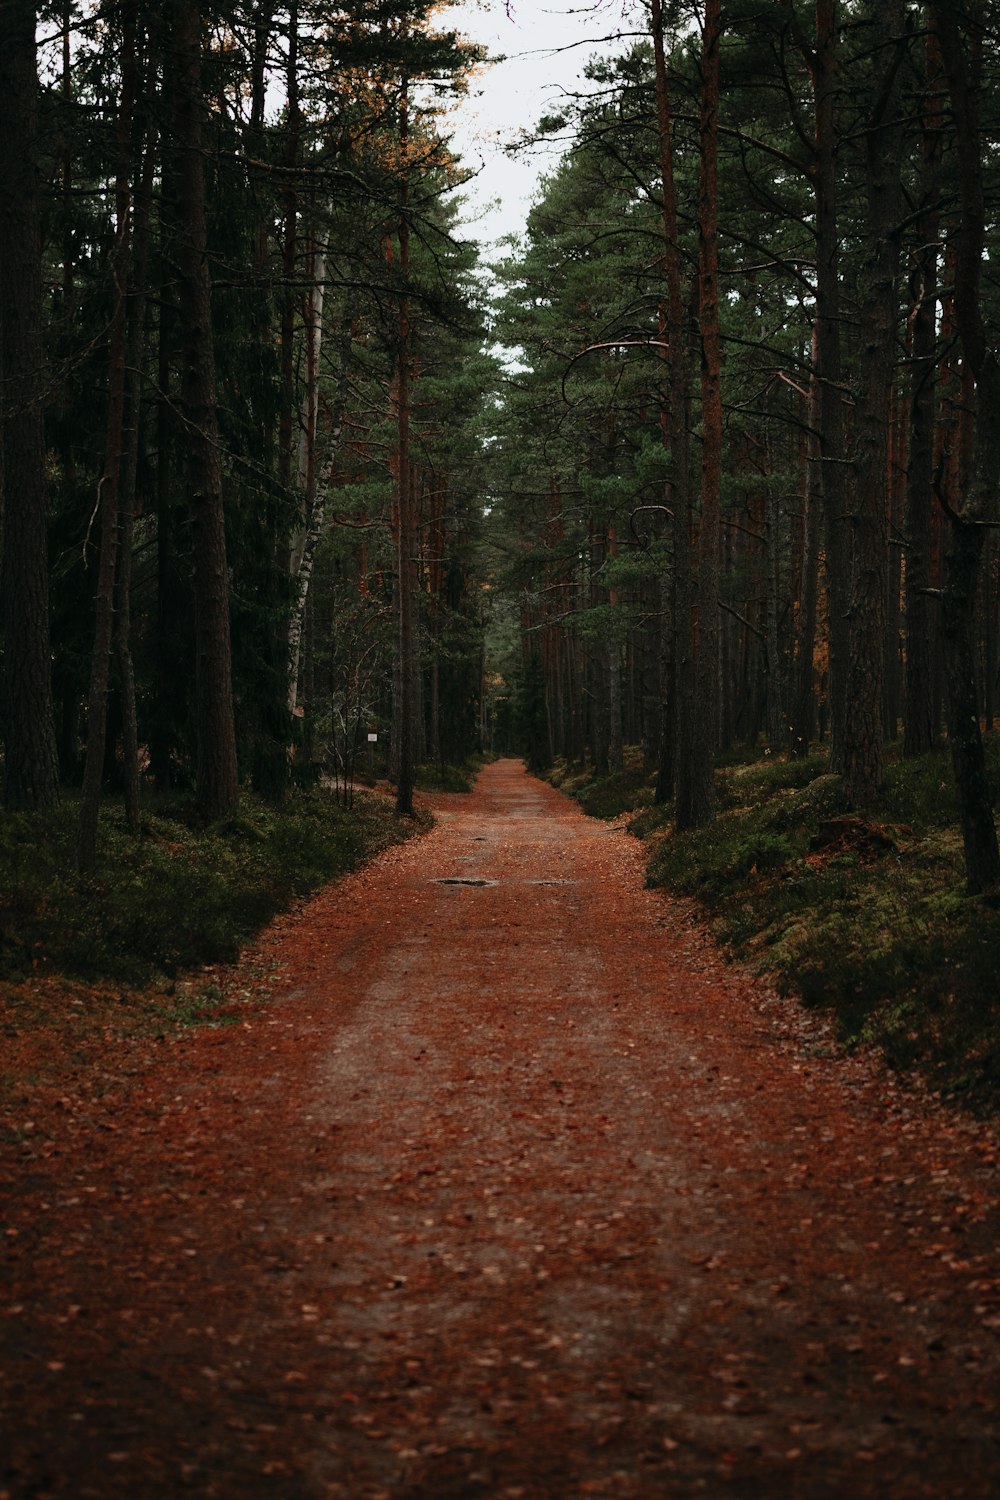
(497, 1181)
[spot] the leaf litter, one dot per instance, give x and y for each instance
(511, 1188)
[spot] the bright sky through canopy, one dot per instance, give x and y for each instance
(546, 44)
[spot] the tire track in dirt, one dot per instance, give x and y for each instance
(514, 1188)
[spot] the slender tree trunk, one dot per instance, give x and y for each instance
(919, 723)
(616, 749)
(968, 528)
(406, 539)
(123, 606)
(316, 493)
(825, 62)
(218, 779)
(173, 658)
(862, 735)
(109, 484)
(665, 682)
(804, 711)
(676, 431)
(315, 300)
(979, 836)
(705, 743)
(31, 766)
(894, 567)
(776, 717)
(666, 676)
(289, 254)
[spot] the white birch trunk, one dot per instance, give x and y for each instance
(316, 491)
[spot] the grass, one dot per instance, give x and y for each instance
(868, 919)
(181, 895)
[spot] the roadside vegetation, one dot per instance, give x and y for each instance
(183, 894)
(868, 919)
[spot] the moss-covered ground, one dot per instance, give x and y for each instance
(866, 917)
(182, 894)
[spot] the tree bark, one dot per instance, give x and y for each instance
(968, 527)
(776, 715)
(218, 778)
(825, 67)
(804, 709)
(109, 485)
(405, 728)
(701, 808)
(316, 492)
(289, 254)
(31, 765)
(616, 748)
(919, 724)
(862, 733)
(127, 506)
(675, 755)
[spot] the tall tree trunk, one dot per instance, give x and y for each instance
(218, 779)
(825, 65)
(68, 239)
(665, 684)
(804, 709)
(979, 835)
(270, 763)
(862, 734)
(130, 465)
(289, 254)
(705, 743)
(894, 567)
(616, 749)
(31, 767)
(316, 491)
(679, 751)
(109, 485)
(405, 727)
(919, 723)
(776, 716)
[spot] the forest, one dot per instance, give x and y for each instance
(499, 878)
(298, 488)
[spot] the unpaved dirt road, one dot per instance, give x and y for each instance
(512, 1188)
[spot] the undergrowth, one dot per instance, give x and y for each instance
(181, 895)
(867, 918)
(605, 796)
(444, 776)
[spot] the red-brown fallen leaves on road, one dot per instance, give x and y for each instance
(509, 1187)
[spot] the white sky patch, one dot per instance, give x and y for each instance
(546, 44)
